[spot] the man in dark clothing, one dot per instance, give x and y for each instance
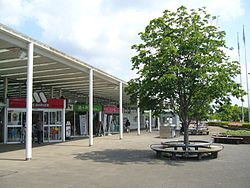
(127, 124)
(39, 126)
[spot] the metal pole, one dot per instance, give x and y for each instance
(120, 111)
(91, 107)
(63, 121)
(242, 106)
(29, 102)
(5, 109)
(138, 120)
(248, 99)
(74, 123)
(150, 121)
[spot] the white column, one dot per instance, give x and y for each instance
(120, 112)
(100, 116)
(158, 123)
(74, 124)
(5, 95)
(63, 121)
(150, 121)
(91, 107)
(29, 102)
(138, 120)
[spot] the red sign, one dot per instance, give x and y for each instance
(110, 109)
(51, 103)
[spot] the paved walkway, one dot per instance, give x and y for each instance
(126, 163)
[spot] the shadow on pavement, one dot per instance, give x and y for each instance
(125, 156)
(14, 147)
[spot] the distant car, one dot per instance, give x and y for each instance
(200, 129)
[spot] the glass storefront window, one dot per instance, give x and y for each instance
(52, 118)
(58, 117)
(46, 118)
(52, 125)
(14, 134)
(14, 118)
(55, 133)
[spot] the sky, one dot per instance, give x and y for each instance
(101, 32)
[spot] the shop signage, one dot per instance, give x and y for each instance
(50, 103)
(110, 109)
(85, 108)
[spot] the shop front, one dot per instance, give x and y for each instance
(2, 107)
(111, 118)
(78, 119)
(50, 112)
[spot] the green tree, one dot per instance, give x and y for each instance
(182, 66)
(228, 112)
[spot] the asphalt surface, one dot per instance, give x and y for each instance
(127, 163)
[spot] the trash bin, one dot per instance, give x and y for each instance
(165, 132)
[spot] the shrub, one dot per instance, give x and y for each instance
(217, 123)
(246, 125)
(237, 133)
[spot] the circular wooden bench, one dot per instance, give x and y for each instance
(178, 151)
(227, 139)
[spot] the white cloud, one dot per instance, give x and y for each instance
(101, 32)
(11, 12)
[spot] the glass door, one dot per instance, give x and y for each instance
(16, 120)
(52, 125)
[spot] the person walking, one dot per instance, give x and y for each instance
(147, 125)
(127, 125)
(23, 133)
(101, 130)
(39, 126)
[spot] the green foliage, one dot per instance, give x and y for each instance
(227, 112)
(237, 133)
(182, 66)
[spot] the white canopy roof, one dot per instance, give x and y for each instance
(52, 69)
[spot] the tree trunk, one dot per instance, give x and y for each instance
(186, 136)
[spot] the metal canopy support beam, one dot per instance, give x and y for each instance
(91, 107)
(29, 102)
(150, 121)
(120, 112)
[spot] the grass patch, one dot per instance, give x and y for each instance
(237, 133)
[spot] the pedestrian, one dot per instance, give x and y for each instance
(101, 130)
(39, 126)
(127, 125)
(146, 124)
(23, 133)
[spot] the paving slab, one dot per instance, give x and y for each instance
(112, 162)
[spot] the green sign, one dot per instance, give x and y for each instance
(85, 108)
